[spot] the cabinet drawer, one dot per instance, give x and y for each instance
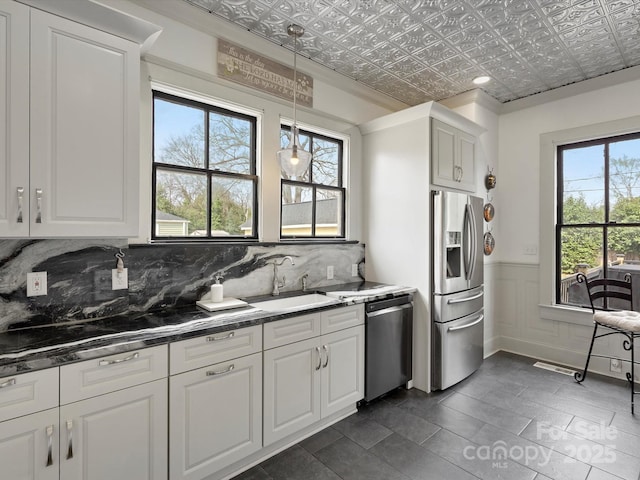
(214, 348)
(28, 393)
(107, 374)
(283, 332)
(341, 318)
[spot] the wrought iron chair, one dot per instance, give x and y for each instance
(605, 296)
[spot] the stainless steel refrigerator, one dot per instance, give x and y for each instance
(457, 311)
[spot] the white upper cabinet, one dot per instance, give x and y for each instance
(84, 165)
(14, 120)
(452, 157)
(70, 126)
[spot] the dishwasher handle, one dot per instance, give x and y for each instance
(386, 311)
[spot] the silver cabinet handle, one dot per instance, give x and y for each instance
(20, 196)
(217, 339)
(69, 439)
(49, 445)
(461, 174)
(8, 383)
(462, 327)
(104, 363)
(319, 359)
(212, 373)
(39, 205)
(326, 351)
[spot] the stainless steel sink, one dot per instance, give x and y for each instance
(299, 302)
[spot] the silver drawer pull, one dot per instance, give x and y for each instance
(326, 351)
(462, 327)
(213, 373)
(8, 383)
(20, 196)
(104, 363)
(226, 337)
(39, 205)
(453, 301)
(49, 445)
(319, 358)
(69, 439)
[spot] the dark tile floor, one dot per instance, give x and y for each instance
(509, 421)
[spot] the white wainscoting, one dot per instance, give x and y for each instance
(513, 308)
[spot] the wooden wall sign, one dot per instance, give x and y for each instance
(249, 68)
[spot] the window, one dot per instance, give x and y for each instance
(313, 206)
(598, 217)
(204, 171)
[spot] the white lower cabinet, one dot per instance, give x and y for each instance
(310, 380)
(29, 447)
(119, 435)
(29, 421)
(216, 416)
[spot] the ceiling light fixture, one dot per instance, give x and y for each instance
(294, 160)
(481, 80)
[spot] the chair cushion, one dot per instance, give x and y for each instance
(622, 319)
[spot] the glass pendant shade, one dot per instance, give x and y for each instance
(294, 160)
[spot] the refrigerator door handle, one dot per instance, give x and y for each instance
(469, 238)
(453, 301)
(468, 325)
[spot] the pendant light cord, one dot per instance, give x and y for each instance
(295, 78)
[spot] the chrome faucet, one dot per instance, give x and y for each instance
(276, 281)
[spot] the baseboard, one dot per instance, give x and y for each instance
(491, 346)
(557, 355)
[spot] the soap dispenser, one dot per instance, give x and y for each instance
(216, 290)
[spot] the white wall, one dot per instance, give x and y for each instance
(184, 56)
(524, 282)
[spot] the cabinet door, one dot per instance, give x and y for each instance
(443, 154)
(29, 447)
(14, 120)
(342, 369)
(84, 155)
(215, 417)
(291, 388)
(120, 435)
(467, 160)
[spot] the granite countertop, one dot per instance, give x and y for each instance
(28, 349)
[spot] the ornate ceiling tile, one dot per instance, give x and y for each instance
(421, 50)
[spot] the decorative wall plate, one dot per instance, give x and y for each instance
(489, 243)
(488, 212)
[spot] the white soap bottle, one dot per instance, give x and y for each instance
(216, 290)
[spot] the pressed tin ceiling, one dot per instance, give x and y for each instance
(417, 51)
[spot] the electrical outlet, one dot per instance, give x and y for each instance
(330, 272)
(530, 250)
(36, 284)
(119, 280)
(354, 269)
(616, 365)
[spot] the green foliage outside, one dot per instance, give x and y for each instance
(585, 245)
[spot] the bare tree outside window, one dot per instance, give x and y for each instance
(313, 204)
(204, 170)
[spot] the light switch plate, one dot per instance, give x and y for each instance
(330, 272)
(36, 284)
(354, 269)
(119, 280)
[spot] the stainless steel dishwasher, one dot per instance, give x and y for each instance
(388, 345)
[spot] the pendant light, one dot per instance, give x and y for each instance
(294, 160)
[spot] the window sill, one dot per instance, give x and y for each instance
(573, 315)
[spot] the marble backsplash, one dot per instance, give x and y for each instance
(160, 276)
